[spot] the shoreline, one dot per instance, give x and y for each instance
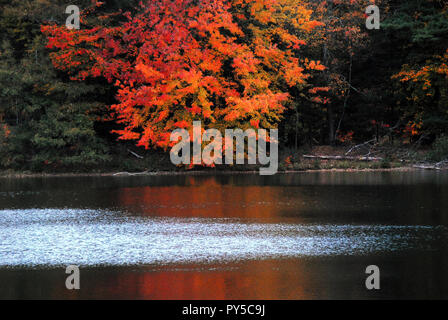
(17, 175)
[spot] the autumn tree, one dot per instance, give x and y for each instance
(229, 63)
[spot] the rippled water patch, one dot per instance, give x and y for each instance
(40, 237)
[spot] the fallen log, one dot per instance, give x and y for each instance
(132, 173)
(362, 158)
(429, 166)
(426, 167)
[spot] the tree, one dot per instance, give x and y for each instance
(419, 29)
(46, 122)
(425, 96)
(230, 63)
(342, 44)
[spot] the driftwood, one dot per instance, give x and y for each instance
(362, 158)
(144, 173)
(359, 146)
(427, 166)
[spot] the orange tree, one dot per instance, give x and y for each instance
(229, 63)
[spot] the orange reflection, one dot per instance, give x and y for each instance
(248, 280)
(207, 198)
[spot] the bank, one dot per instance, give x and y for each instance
(316, 159)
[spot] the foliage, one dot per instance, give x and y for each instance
(421, 30)
(49, 121)
(228, 63)
(425, 95)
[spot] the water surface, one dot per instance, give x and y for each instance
(290, 236)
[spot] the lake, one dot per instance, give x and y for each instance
(226, 236)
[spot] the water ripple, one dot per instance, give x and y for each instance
(49, 237)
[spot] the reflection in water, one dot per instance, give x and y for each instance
(397, 198)
(226, 236)
(409, 276)
(206, 201)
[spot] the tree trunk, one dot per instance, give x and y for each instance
(297, 130)
(330, 113)
(330, 119)
(347, 96)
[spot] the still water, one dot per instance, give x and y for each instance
(289, 236)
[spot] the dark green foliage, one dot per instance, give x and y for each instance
(50, 119)
(418, 32)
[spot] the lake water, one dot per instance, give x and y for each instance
(242, 236)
